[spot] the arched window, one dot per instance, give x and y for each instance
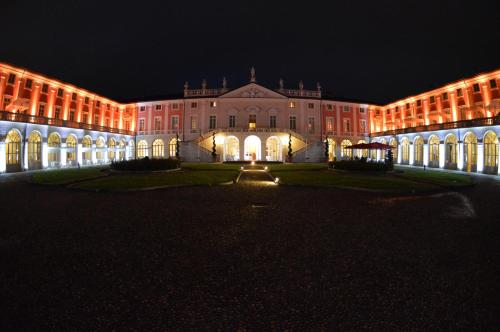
(405, 151)
(450, 145)
(382, 152)
(273, 149)
(87, 142)
(13, 151)
(362, 152)
(331, 149)
(35, 150)
(54, 143)
(122, 147)
(142, 149)
(111, 149)
(71, 150)
(232, 146)
(418, 151)
(433, 151)
(346, 153)
(172, 148)
(470, 152)
(100, 145)
(394, 144)
(86, 153)
(158, 148)
(490, 153)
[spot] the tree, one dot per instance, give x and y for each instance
(177, 145)
(214, 146)
(327, 148)
(390, 156)
(290, 151)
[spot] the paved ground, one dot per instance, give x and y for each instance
(248, 258)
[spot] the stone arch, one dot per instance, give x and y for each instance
(35, 150)
(450, 151)
(470, 152)
(405, 151)
(232, 149)
(418, 151)
(273, 149)
(433, 143)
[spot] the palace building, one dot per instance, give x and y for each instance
(45, 123)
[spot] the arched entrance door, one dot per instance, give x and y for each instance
(232, 149)
(470, 152)
(450, 152)
(35, 150)
(13, 151)
(273, 149)
(252, 148)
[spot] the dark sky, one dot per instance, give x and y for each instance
(370, 50)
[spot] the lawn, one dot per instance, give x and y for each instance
(435, 177)
(136, 181)
(211, 166)
(66, 176)
(297, 167)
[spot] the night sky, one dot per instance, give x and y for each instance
(376, 51)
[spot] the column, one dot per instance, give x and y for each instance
(45, 155)
(480, 157)
(3, 165)
(426, 153)
(79, 154)
(24, 153)
(106, 154)
(62, 156)
(399, 153)
(412, 153)
(460, 157)
(67, 97)
(441, 154)
(93, 154)
(35, 94)
(263, 152)
(379, 154)
(2, 89)
(79, 108)
(51, 101)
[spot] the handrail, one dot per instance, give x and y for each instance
(21, 117)
(441, 126)
(248, 130)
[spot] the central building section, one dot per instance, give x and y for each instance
(249, 123)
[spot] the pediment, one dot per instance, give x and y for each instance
(252, 90)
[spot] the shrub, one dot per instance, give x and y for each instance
(360, 165)
(145, 164)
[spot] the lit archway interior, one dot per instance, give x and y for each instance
(252, 148)
(232, 149)
(273, 149)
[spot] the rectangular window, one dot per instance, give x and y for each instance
(106, 122)
(96, 119)
(212, 123)
(142, 108)
(292, 104)
(45, 88)
(158, 107)
(194, 105)
(459, 92)
(175, 122)
(293, 123)
(346, 108)
(432, 99)
(108, 106)
(310, 105)
(445, 95)
(157, 123)
(329, 124)
(252, 121)
(232, 121)
(347, 126)
(329, 107)
(194, 123)
(98, 103)
(362, 110)
(6, 102)
(41, 110)
(175, 106)
(213, 104)
(419, 103)
(73, 96)
(85, 118)
(362, 125)
(57, 112)
(12, 78)
(272, 121)
(72, 115)
(310, 125)
(86, 100)
(127, 125)
(407, 106)
(60, 92)
(141, 124)
(476, 88)
(29, 83)
(493, 84)
(388, 111)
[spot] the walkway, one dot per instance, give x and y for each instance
(255, 175)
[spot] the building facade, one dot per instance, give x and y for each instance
(47, 123)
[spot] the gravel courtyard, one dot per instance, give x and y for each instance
(248, 258)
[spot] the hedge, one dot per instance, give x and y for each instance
(145, 164)
(361, 165)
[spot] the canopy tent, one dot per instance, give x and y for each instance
(370, 146)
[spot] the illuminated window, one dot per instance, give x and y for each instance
(292, 104)
(158, 148)
(172, 148)
(54, 141)
(212, 122)
(252, 121)
(490, 150)
(157, 124)
(111, 149)
(71, 150)
(433, 151)
(41, 109)
(34, 150)
(450, 145)
(329, 124)
(141, 124)
(310, 125)
(232, 121)
(346, 153)
(272, 121)
(213, 104)
(493, 84)
(13, 149)
(194, 122)
(476, 88)
(87, 142)
(12, 79)
(362, 125)
(293, 123)
(29, 83)
(347, 126)
(418, 150)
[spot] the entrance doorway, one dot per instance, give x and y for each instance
(252, 148)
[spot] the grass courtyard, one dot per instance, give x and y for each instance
(298, 174)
